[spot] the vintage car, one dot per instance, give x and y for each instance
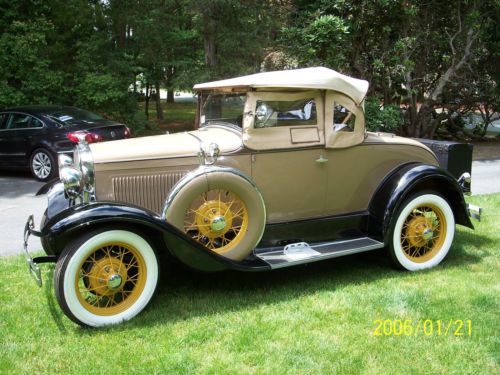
(279, 172)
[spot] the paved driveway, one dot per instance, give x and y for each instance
(18, 201)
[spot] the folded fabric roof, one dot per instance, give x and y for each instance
(308, 78)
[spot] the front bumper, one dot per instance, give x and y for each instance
(33, 267)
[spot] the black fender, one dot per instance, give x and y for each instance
(65, 226)
(405, 181)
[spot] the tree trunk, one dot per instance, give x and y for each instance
(170, 96)
(209, 42)
(146, 104)
(159, 108)
(170, 89)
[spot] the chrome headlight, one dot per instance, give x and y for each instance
(77, 174)
(71, 179)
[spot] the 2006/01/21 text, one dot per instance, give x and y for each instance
(427, 327)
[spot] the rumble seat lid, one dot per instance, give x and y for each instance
(308, 78)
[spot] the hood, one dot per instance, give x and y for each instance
(165, 146)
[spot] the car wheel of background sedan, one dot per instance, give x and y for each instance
(42, 164)
(105, 277)
(423, 232)
(222, 211)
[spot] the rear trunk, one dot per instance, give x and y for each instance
(108, 130)
(454, 157)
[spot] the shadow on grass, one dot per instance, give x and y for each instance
(184, 294)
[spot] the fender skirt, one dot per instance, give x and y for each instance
(405, 181)
(59, 230)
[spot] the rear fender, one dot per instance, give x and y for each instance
(405, 181)
(64, 227)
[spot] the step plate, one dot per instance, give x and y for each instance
(278, 257)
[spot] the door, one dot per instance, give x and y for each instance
(15, 136)
(284, 130)
(292, 182)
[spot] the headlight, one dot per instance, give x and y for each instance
(71, 179)
(77, 174)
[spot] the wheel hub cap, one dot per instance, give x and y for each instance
(419, 231)
(218, 223)
(106, 276)
(427, 234)
(114, 281)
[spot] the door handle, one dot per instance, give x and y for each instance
(321, 159)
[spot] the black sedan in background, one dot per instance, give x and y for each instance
(33, 136)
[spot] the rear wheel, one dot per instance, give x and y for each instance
(422, 233)
(42, 165)
(106, 277)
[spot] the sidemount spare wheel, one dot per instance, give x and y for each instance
(220, 208)
(105, 277)
(422, 232)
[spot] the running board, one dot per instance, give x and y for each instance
(301, 252)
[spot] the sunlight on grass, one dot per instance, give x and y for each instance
(316, 319)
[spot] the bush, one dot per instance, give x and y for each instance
(385, 118)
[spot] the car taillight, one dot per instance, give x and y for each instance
(89, 137)
(127, 133)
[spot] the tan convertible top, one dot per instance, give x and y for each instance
(307, 78)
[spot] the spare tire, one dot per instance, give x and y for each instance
(220, 208)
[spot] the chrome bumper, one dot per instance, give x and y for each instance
(33, 267)
(33, 263)
(474, 211)
(465, 183)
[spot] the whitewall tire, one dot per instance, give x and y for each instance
(422, 233)
(106, 277)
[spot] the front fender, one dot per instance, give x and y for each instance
(405, 181)
(64, 227)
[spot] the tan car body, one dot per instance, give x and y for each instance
(302, 172)
(299, 181)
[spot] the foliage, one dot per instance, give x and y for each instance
(421, 55)
(317, 319)
(385, 118)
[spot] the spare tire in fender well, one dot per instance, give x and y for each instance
(409, 179)
(236, 189)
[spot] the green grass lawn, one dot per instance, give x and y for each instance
(308, 319)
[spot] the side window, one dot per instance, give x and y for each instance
(343, 119)
(3, 122)
(22, 121)
(285, 113)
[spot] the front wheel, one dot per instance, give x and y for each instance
(422, 233)
(105, 277)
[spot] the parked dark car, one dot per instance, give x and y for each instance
(33, 136)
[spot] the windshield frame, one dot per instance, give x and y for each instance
(235, 123)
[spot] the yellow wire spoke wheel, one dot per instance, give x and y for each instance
(217, 219)
(423, 233)
(110, 279)
(105, 276)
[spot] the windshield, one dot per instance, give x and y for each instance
(226, 108)
(68, 116)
